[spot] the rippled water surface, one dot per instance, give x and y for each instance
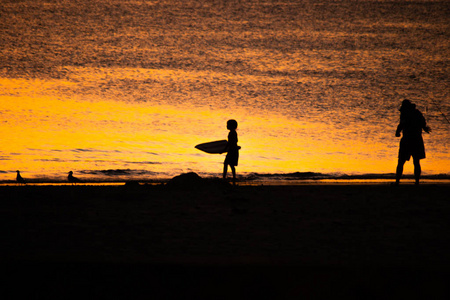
(126, 89)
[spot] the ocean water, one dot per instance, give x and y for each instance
(117, 90)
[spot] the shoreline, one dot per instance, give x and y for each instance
(297, 178)
(119, 176)
(273, 182)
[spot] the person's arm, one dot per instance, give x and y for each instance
(227, 147)
(426, 128)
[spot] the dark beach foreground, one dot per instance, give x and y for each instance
(211, 240)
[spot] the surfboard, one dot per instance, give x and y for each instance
(213, 147)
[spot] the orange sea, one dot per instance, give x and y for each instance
(126, 89)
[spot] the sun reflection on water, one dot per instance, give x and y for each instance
(48, 136)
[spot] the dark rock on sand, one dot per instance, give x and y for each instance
(193, 181)
(186, 180)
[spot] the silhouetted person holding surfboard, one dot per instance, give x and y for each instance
(411, 123)
(232, 150)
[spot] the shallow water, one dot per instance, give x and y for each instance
(113, 89)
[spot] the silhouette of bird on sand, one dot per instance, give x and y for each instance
(19, 178)
(72, 178)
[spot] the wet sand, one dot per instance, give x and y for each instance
(217, 241)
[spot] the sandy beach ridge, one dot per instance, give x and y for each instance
(211, 239)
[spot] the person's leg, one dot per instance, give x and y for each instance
(233, 170)
(399, 173)
(225, 170)
(417, 170)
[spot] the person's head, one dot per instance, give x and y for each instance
(407, 105)
(232, 124)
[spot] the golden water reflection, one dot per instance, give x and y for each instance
(47, 134)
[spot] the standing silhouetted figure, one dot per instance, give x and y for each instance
(19, 178)
(411, 123)
(72, 178)
(233, 150)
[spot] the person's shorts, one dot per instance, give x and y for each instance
(232, 158)
(411, 147)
